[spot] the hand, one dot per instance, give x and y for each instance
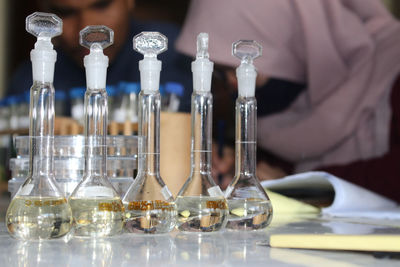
(223, 167)
(266, 171)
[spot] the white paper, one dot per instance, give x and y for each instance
(350, 200)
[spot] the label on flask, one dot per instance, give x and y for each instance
(215, 191)
(25, 190)
(166, 193)
(228, 191)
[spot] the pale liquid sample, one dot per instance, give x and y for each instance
(249, 214)
(201, 214)
(38, 217)
(150, 217)
(97, 217)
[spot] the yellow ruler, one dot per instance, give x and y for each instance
(388, 243)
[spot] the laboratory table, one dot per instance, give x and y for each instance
(215, 249)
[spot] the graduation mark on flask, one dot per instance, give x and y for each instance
(216, 204)
(150, 205)
(115, 206)
(44, 203)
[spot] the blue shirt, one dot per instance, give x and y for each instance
(125, 67)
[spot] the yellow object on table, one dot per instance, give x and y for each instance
(285, 205)
(386, 243)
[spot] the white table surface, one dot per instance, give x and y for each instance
(178, 249)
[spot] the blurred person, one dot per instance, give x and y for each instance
(328, 85)
(123, 66)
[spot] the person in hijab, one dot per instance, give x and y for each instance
(335, 64)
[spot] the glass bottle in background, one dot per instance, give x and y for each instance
(60, 106)
(13, 106)
(4, 115)
(23, 111)
(148, 202)
(126, 107)
(112, 94)
(76, 95)
(164, 100)
(39, 209)
(5, 140)
(249, 204)
(174, 93)
(97, 209)
(201, 205)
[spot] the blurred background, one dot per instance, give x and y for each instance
(16, 43)
(15, 46)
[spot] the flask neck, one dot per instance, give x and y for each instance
(246, 134)
(149, 131)
(41, 129)
(96, 112)
(201, 133)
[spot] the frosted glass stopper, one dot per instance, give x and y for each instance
(246, 50)
(150, 44)
(44, 25)
(98, 35)
(202, 45)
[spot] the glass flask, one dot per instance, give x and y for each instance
(97, 209)
(201, 205)
(39, 209)
(249, 204)
(148, 202)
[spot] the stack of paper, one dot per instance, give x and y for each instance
(349, 200)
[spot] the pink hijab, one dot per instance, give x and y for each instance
(346, 51)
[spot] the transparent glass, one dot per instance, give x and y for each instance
(23, 113)
(4, 115)
(130, 106)
(44, 25)
(150, 44)
(246, 50)
(77, 108)
(249, 204)
(201, 205)
(148, 202)
(97, 208)
(149, 205)
(126, 105)
(97, 35)
(69, 163)
(39, 209)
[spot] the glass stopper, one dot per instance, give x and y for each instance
(98, 34)
(202, 45)
(150, 44)
(43, 25)
(246, 50)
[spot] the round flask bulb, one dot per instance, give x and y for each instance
(97, 36)
(246, 50)
(45, 25)
(150, 44)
